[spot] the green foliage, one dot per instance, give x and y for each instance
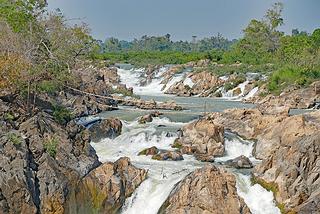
(51, 146)
(8, 116)
(177, 144)
(20, 14)
(48, 86)
(61, 114)
(144, 58)
(164, 43)
(14, 138)
(289, 76)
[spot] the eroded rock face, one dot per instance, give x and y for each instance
(203, 138)
(206, 190)
(107, 128)
(289, 149)
(105, 188)
(49, 160)
(15, 173)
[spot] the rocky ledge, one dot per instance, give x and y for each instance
(206, 190)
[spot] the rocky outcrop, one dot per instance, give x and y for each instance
(43, 163)
(241, 162)
(293, 97)
(106, 128)
(202, 83)
(49, 159)
(288, 148)
(105, 188)
(203, 138)
(206, 190)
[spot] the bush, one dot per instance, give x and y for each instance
(14, 138)
(48, 86)
(61, 114)
(51, 146)
(291, 75)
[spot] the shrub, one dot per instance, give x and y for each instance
(61, 114)
(51, 146)
(14, 138)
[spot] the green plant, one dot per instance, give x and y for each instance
(14, 138)
(61, 114)
(51, 146)
(8, 116)
(177, 144)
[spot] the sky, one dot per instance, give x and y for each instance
(129, 19)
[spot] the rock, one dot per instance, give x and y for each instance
(293, 97)
(202, 138)
(206, 190)
(145, 119)
(240, 162)
(274, 110)
(150, 105)
(105, 188)
(237, 92)
(150, 151)
(168, 155)
(43, 161)
(15, 173)
(107, 128)
(162, 155)
(149, 117)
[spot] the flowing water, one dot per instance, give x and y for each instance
(161, 132)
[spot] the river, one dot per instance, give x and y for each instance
(161, 132)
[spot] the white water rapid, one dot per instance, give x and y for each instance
(163, 175)
(133, 78)
(161, 132)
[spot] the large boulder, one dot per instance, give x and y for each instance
(105, 188)
(107, 128)
(206, 190)
(203, 138)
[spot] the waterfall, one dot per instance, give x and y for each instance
(163, 175)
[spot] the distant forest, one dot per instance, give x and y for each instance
(164, 43)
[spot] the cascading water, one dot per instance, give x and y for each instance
(161, 132)
(163, 175)
(133, 77)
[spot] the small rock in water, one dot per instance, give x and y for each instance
(241, 162)
(149, 151)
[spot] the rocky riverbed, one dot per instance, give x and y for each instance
(198, 155)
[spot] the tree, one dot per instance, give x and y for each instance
(261, 38)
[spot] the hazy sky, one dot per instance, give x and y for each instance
(128, 19)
